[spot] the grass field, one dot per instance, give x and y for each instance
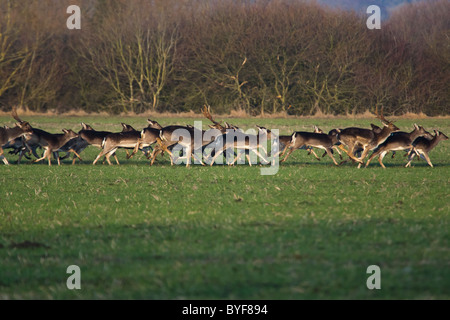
(162, 232)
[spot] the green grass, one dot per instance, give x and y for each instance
(162, 232)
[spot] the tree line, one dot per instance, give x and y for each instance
(259, 56)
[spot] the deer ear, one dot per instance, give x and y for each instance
(416, 126)
(65, 130)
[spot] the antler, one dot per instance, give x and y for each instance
(207, 113)
(380, 116)
(15, 116)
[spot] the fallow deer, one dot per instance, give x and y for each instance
(311, 139)
(366, 139)
(53, 142)
(423, 146)
(8, 134)
(398, 141)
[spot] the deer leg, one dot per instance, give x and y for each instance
(43, 156)
(101, 154)
(109, 154)
(337, 150)
(217, 154)
(188, 156)
(261, 156)
(427, 158)
(284, 150)
(380, 158)
(328, 151)
(135, 150)
(347, 152)
(247, 155)
(155, 152)
(240, 152)
(198, 159)
(315, 155)
(56, 155)
(5, 161)
(21, 154)
(364, 154)
(288, 154)
(374, 154)
(75, 156)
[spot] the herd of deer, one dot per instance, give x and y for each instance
(355, 142)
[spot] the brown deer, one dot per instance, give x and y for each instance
(242, 142)
(95, 138)
(184, 136)
(423, 146)
(285, 144)
(398, 141)
(8, 134)
(365, 139)
(52, 142)
(314, 140)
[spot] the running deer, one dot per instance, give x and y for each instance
(148, 137)
(223, 129)
(95, 138)
(18, 147)
(242, 142)
(171, 136)
(365, 139)
(52, 142)
(285, 144)
(8, 134)
(311, 139)
(184, 136)
(398, 141)
(423, 146)
(113, 141)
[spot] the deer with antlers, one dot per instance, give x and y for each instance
(399, 141)
(365, 139)
(8, 134)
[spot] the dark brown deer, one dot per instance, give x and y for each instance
(95, 138)
(423, 146)
(398, 141)
(52, 142)
(311, 139)
(365, 139)
(8, 134)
